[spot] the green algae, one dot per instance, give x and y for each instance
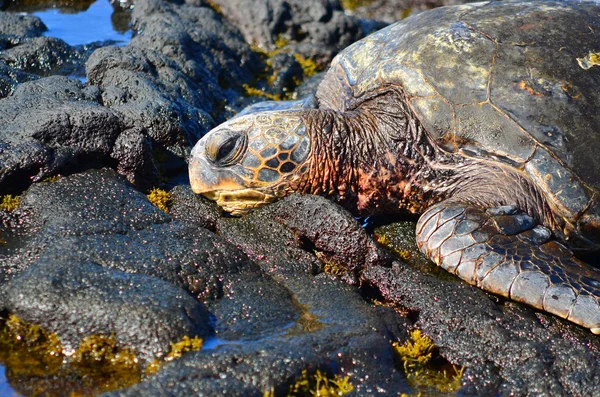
(51, 179)
(351, 5)
(330, 266)
(589, 61)
(253, 91)
(422, 372)
(269, 75)
(216, 8)
(185, 345)
(399, 238)
(318, 384)
(9, 202)
(178, 349)
(35, 358)
(161, 199)
(28, 350)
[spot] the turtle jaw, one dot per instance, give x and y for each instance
(239, 202)
(225, 188)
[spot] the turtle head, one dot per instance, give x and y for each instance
(251, 160)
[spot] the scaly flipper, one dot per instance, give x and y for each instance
(503, 251)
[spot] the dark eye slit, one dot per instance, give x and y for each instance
(227, 149)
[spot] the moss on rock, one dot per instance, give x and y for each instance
(161, 199)
(422, 372)
(319, 384)
(9, 202)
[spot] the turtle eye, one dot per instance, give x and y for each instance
(225, 148)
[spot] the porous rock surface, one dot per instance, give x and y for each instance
(316, 29)
(285, 289)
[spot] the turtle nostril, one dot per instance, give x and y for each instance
(225, 148)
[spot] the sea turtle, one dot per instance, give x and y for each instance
(483, 118)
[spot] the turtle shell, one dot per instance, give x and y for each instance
(517, 81)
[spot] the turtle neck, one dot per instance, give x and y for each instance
(374, 158)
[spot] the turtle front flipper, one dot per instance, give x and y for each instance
(503, 251)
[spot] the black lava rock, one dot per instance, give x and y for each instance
(80, 299)
(317, 29)
(52, 125)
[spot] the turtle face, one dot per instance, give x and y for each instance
(250, 160)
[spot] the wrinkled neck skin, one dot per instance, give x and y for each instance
(378, 158)
(374, 159)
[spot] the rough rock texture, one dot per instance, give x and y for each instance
(39, 55)
(318, 29)
(332, 234)
(23, 48)
(53, 125)
(335, 330)
(390, 11)
(76, 299)
(352, 345)
(61, 277)
(504, 346)
(161, 91)
(10, 78)
(95, 257)
(13, 30)
(15, 27)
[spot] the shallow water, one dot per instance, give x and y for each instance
(93, 24)
(5, 389)
(80, 22)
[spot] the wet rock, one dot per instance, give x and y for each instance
(60, 276)
(335, 330)
(95, 203)
(206, 47)
(77, 300)
(66, 6)
(24, 50)
(176, 73)
(133, 152)
(52, 125)
(121, 16)
(504, 346)
(148, 90)
(287, 73)
(125, 4)
(173, 76)
(193, 209)
(316, 224)
(40, 55)
(94, 232)
(253, 368)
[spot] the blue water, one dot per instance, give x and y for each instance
(93, 24)
(213, 342)
(5, 389)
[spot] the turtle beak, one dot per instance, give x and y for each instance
(200, 175)
(203, 177)
(208, 179)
